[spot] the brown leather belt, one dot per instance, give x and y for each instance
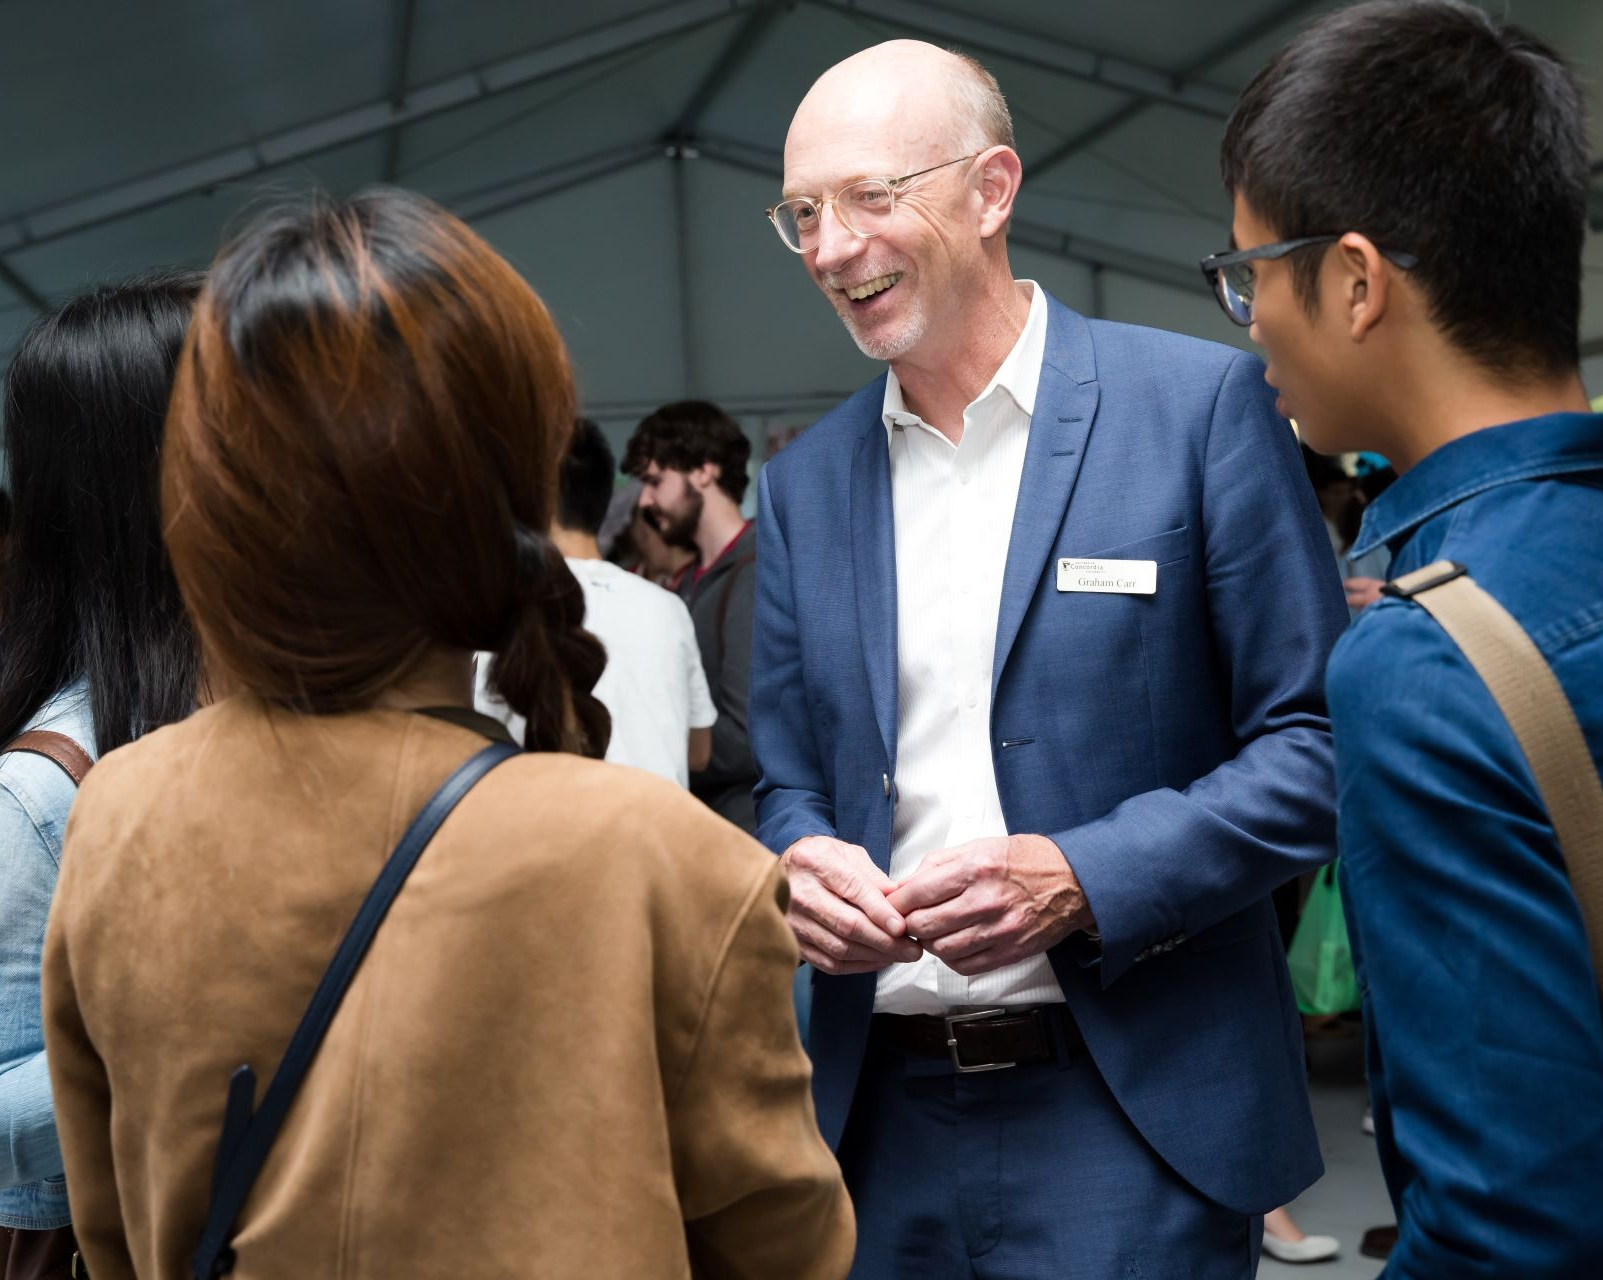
(984, 1039)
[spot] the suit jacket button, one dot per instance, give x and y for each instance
(885, 781)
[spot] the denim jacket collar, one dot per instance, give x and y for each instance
(1551, 445)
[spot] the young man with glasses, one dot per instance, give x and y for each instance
(1041, 622)
(1410, 183)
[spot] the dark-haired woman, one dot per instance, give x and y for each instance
(570, 1050)
(94, 648)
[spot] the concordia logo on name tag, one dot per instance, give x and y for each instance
(1115, 577)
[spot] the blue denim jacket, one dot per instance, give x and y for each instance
(35, 796)
(1485, 1023)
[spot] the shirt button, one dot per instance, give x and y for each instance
(973, 698)
(885, 781)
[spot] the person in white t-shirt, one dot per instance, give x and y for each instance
(654, 686)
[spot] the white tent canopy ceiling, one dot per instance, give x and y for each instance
(621, 154)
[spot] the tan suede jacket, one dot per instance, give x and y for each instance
(570, 1053)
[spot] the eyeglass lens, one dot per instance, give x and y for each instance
(1234, 284)
(864, 208)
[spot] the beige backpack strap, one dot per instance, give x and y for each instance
(58, 748)
(1532, 701)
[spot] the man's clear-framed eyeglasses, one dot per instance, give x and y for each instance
(864, 208)
(1230, 275)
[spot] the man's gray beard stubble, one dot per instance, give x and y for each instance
(892, 345)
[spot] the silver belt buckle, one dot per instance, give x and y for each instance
(977, 1015)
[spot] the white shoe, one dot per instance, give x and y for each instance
(1308, 1249)
(1367, 1124)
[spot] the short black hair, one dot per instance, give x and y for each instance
(587, 480)
(1434, 130)
(684, 435)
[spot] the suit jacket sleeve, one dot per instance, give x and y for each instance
(762, 1196)
(1170, 863)
(792, 792)
(1486, 1042)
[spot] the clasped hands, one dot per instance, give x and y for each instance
(977, 906)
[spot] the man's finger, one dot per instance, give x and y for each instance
(847, 922)
(843, 920)
(929, 862)
(833, 954)
(960, 944)
(820, 904)
(824, 962)
(821, 947)
(863, 885)
(928, 924)
(928, 887)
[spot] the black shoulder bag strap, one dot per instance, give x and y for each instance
(247, 1138)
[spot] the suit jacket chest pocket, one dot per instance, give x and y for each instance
(1161, 548)
(1114, 612)
(1101, 636)
(1100, 649)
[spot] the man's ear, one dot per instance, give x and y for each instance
(705, 476)
(1000, 172)
(1366, 283)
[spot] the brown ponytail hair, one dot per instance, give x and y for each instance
(361, 463)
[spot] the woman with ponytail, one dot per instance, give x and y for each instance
(568, 1050)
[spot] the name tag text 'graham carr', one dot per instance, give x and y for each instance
(1116, 577)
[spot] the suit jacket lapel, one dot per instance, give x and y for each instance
(874, 563)
(1065, 406)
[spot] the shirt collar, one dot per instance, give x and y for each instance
(1553, 444)
(1018, 375)
(703, 570)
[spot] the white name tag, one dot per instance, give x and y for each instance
(1118, 577)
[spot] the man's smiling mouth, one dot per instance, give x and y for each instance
(866, 290)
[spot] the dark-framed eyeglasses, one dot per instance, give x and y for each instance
(1230, 275)
(863, 207)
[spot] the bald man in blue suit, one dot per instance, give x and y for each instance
(1041, 623)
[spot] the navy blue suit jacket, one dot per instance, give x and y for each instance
(1175, 746)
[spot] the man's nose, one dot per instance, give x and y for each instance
(837, 244)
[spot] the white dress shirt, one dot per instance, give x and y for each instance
(953, 508)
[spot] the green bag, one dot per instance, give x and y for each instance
(1321, 957)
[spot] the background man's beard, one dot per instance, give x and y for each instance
(680, 530)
